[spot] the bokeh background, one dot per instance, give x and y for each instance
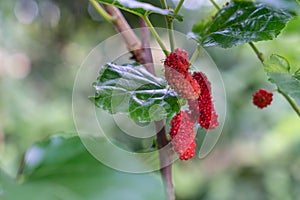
(42, 45)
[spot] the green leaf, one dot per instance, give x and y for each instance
(131, 89)
(287, 83)
(277, 63)
(140, 8)
(50, 174)
(241, 22)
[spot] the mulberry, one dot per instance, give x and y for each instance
(262, 98)
(177, 62)
(183, 135)
(189, 153)
(178, 77)
(182, 53)
(203, 109)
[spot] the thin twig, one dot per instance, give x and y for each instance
(215, 4)
(291, 101)
(257, 52)
(132, 42)
(178, 7)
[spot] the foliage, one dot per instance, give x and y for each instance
(132, 89)
(62, 168)
(278, 69)
(240, 22)
(266, 163)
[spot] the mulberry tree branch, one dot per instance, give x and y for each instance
(141, 53)
(162, 140)
(132, 42)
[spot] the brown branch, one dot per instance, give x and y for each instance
(132, 42)
(164, 156)
(148, 59)
(165, 159)
(142, 53)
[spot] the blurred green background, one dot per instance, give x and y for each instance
(43, 43)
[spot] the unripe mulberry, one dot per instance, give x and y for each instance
(262, 98)
(183, 135)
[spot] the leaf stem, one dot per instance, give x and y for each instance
(156, 36)
(178, 7)
(102, 12)
(215, 4)
(291, 101)
(257, 52)
(164, 4)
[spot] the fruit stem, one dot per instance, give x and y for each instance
(156, 36)
(194, 56)
(169, 22)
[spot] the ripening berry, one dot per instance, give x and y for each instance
(178, 77)
(262, 98)
(203, 109)
(182, 53)
(177, 62)
(189, 152)
(183, 135)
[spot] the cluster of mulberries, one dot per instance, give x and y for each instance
(197, 90)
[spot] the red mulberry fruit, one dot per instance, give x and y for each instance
(189, 152)
(177, 62)
(203, 108)
(262, 98)
(183, 135)
(182, 53)
(178, 77)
